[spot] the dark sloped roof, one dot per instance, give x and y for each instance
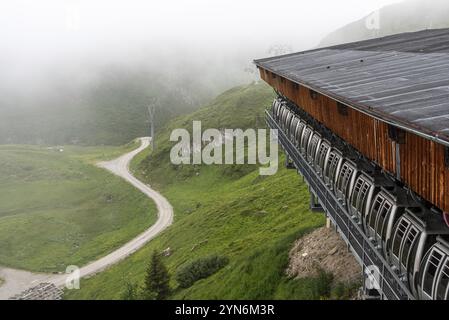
(401, 79)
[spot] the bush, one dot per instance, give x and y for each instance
(345, 291)
(130, 292)
(199, 269)
(310, 288)
(323, 285)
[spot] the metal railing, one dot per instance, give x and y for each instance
(388, 284)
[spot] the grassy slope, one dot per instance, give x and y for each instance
(57, 208)
(224, 210)
(106, 103)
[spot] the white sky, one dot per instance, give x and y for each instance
(43, 31)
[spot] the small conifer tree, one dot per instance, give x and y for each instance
(156, 286)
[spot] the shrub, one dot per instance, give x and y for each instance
(199, 269)
(345, 291)
(323, 285)
(130, 292)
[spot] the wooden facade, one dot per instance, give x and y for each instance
(421, 162)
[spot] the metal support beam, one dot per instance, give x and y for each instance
(315, 205)
(151, 114)
(289, 163)
(398, 161)
(390, 286)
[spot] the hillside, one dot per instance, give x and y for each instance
(103, 105)
(225, 211)
(240, 107)
(406, 16)
(57, 208)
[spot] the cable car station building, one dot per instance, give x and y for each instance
(367, 125)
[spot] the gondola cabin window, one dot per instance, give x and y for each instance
(382, 220)
(407, 248)
(361, 202)
(401, 230)
(443, 282)
(433, 264)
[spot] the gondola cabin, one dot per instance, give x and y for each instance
(367, 124)
(413, 235)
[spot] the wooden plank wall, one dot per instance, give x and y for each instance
(422, 165)
(424, 170)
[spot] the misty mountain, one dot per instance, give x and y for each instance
(407, 16)
(93, 85)
(107, 104)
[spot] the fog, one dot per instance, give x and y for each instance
(55, 54)
(36, 35)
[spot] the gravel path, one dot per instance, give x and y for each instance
(16, 281)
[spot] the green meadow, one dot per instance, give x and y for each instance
(227, 211)
(57, 208)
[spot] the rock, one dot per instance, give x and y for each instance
(167, 252)
(261, 213)
(43, 291)
(199, 244)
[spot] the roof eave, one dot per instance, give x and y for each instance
(420, 131)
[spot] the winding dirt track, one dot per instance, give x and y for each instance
(17, 281)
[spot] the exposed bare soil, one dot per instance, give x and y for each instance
(17, 281)
(323, 249)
